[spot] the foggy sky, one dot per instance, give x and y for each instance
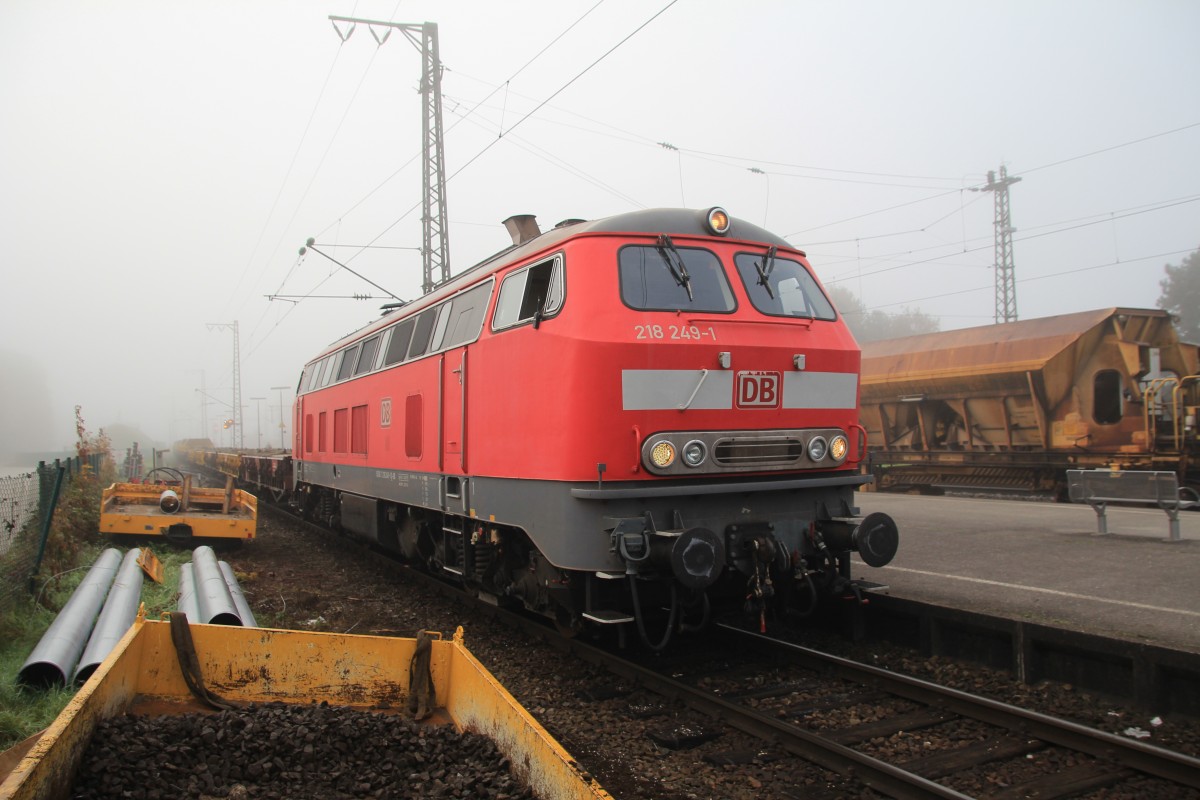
(162, 162)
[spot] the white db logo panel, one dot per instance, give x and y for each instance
(758, 390)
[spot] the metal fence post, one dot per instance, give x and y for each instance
(46, 526)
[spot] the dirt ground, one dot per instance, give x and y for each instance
(300, 579)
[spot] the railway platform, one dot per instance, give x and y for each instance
(1044, 563)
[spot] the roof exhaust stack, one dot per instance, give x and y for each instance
(522, 228)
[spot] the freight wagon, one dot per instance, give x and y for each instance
(1013, 406)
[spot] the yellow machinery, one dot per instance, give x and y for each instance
(179, 513)
(259, 665)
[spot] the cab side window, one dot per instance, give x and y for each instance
(535, 291)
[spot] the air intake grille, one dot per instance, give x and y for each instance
(772, 452)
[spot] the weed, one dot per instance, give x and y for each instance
(24, 711)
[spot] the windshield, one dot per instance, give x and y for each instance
(782, 287)
(651, 279)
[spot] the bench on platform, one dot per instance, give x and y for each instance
(1099, 487)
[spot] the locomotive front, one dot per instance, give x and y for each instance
(695, 437)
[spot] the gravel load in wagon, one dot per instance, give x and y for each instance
(277, 750)
(182, 710)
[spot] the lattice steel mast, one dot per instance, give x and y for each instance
(1006, 281)
(435, 241)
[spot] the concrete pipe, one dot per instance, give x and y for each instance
(58, 651)
(212, 593)
(118, 614)
(187, 594)
(239, 599)
(168, 501)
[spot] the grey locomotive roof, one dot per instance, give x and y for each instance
(671, 221)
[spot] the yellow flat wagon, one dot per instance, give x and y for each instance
(180, 513)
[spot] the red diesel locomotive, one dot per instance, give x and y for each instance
(636, 419)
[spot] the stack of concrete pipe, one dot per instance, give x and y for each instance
(209, 592)
(105, 605)
(99, 612)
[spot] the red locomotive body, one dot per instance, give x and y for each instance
(658, 409)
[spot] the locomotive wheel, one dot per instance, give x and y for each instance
(567, 624)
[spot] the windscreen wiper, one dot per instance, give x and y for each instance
(678, 269)
(764, 268)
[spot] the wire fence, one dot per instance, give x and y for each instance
(27, 500)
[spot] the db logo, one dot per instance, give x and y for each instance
(758, 390)
(385, 412)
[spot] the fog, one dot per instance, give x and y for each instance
(161, 163)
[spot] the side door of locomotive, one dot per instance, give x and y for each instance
(458, 325)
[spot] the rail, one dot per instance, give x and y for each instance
(1100, 487)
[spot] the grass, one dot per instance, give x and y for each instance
(25, 711)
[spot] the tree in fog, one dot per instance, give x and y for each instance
(1181, 296)
(874, 326)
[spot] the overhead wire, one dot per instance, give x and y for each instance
(567, 167)
(469, 112)
(1030, 279)
(1107, 216)
(312, 179)
(872, 213)
(1110, 149)
(1022, 172)
(286, 177)
(923, 229)
(1027, 238)
(563, 88)
(516, 124)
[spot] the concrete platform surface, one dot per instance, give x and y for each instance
(1044, 563)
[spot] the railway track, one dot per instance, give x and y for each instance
(807, 681)
(875, 705)
(804, 682)
(862, 722)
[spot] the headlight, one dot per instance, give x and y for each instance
(662, 455)
(694, 453)
(839, 447)
(818, 448)
(718, 220)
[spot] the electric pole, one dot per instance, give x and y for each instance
(281, 390)
(258, 417)
(435, 242)
(237, 379)
(203, 405)
(1006, 282)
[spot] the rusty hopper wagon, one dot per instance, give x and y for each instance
(1014, 406)
(180, 513)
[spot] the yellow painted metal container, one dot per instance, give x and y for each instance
(265, 665)
(137, 509)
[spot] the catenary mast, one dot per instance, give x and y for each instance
(435, 241)
(1006, 281)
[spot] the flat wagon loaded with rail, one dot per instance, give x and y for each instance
(1014, 406)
